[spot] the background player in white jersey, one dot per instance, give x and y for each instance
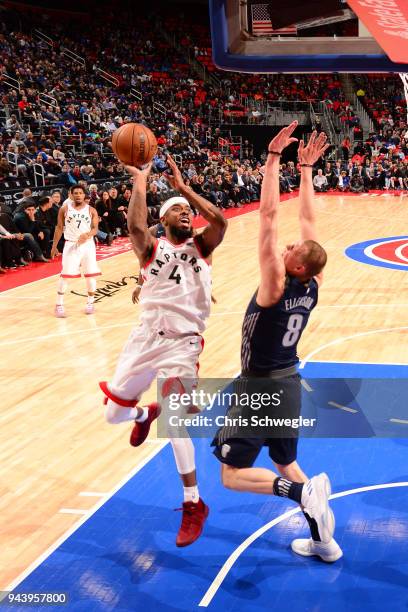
(79, 223)
(175, 303)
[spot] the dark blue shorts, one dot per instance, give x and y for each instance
(243, 452)
(232, 448)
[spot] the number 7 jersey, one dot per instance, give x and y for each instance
(176, 293)
(77, 221)
(270, 335)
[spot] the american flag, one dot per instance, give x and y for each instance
(262, 25)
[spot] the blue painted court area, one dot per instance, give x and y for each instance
(124, 557)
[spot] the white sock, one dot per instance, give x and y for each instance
(118, 414)
(143, 416)
(191, 494)
(62, 285)
(91, 287)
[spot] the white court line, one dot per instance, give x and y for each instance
(92, 494)
(382, 363)
(345, 408)
(72, 511)
(401, 421)
(318, 307)
(306, 385)
(220, 577)
(345, 338)
(83, 520)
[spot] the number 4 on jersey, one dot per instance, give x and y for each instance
(175, 276)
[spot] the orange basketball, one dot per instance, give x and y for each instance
(134, 144)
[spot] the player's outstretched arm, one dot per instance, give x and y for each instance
(140, 237)
(213, 234)
(271, 264)
(308, 156)
(59, 229)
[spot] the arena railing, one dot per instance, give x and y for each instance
(10, 81)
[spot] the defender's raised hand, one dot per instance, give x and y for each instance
(314, 149)
(283, 139)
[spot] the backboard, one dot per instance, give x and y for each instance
(293, 36)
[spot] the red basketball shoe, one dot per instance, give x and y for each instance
(192, 522)
(141, 430)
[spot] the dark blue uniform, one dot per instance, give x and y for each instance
(270, 335)
(269, 350)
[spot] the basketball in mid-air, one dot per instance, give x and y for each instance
(134, 144)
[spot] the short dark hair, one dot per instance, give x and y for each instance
(81, 187)
(314, 258)
(43, 200)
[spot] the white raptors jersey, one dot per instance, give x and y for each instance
(77, 222)
(176, 294)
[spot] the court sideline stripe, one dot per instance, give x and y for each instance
(220, 577)
(78, 524)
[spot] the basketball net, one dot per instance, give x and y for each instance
(404, 78)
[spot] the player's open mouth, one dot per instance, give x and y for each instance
(185, 220)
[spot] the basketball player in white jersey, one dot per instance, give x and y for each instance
(79, 223)
(175, 303)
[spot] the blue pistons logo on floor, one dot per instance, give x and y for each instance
(389, 252)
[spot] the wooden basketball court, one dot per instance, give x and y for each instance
(58, 456)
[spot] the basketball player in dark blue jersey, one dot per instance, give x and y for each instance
(274, 321)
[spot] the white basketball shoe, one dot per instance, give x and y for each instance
(328, 552)
(315, 501)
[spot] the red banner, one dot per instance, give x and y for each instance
(387, 20)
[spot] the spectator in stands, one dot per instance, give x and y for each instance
(11, 254)
(2, 270)
(16, 242)
(344, 181)
(107, 215)
(65, 178)
(238, 178)
(154, 201)
(36, 239)
(345, 148)
(45, 221)
(217, 193)
(119, 212)
(356, 183)
(320, 181)
(17, 143)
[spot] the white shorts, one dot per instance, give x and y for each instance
(148, 355)
(77, 258)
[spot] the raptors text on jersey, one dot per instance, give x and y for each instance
(176, 294)
(77, 222)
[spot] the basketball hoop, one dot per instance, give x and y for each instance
(404, 78)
